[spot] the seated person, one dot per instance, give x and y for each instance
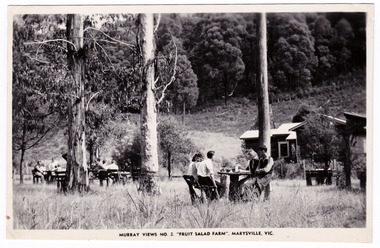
(191, 177)
(252, 165)
(263, 172)
(198, 157)
(113, 165)
(205, 173)
(38, 171)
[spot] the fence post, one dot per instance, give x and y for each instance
(304, 168)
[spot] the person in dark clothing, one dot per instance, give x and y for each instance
(264, 171)
(261, 168)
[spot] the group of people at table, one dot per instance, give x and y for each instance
(44, 172)
(259, 168)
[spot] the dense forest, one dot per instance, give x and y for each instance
(214, 55)
(304, 51)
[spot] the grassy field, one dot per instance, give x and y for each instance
(292, 204)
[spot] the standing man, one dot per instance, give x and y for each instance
(264, 171)
(205, 172)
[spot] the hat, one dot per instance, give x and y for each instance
(263, 147)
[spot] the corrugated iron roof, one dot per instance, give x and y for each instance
(334, 119)
(292, 136)
(281, 130)
(355, 115)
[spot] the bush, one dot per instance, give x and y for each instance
(284, 170)
(127, 152)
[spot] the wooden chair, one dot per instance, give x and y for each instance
(60, 177)
(37, 176)
(192, 186)
(103, 175)
(209, 193)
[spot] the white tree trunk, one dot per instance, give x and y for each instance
(148, 116)
(149, 154)
(263, 99)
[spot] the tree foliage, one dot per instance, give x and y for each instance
(291, 51)
(33, 110)
(216, 55)
(183, 92)
(173, 143)
(320, 139)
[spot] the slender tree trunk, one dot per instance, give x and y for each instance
(77, 171)
(169, 164)
(263, 98)
(183, 112)
(148, 116)
(21, 162)
(22, 152)
(226, 83)
(91, 152)
(347, 161)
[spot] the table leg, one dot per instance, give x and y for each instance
(234, 188)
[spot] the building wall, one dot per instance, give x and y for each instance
(254, 143)
(359, 145)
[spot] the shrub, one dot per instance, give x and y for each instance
(127, 152)
(278, 168)
(284, 170)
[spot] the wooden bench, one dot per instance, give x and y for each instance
(115, 175)
(320, 175)
(60, 177)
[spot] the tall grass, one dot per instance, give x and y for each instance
(291, 204)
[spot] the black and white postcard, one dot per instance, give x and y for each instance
(190, 122)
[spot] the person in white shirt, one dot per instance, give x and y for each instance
(205, 172)
(191, 177)
(192, 170)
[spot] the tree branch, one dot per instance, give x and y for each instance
(109, 37)
(39, 139)
(48, 41)
(157, 23)
(38, 60)
(104, 51)
(89, 100)
(173, 76)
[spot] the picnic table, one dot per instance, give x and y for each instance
(320, 175)
(234, 194)
(59, 176)
(115, 175)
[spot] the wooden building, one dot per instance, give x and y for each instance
(356, 128)
(283, 141)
